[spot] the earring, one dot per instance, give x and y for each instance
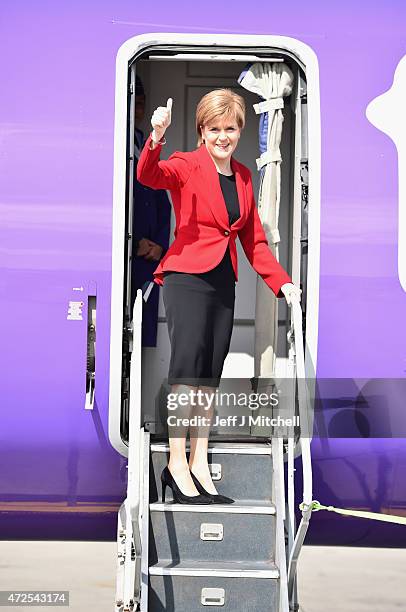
(203, 140)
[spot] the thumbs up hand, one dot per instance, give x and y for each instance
(161, 120)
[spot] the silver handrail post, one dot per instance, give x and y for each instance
(305, 439)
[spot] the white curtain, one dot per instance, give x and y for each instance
(272, 82)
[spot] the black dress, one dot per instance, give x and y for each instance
(200, 312)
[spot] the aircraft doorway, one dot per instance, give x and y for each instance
(168, 73)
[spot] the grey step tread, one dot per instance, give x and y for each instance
(240, 507)
(225, 569)
(248, 448)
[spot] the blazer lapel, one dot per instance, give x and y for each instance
(217, 202)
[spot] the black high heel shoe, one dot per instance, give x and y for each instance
(216, 498)
(168, 480)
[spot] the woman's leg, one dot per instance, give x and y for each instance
(199, 442)
(178, 465)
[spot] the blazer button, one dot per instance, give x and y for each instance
(226, 233)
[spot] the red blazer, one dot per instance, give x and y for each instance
(202, 227)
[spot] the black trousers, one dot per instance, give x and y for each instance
(200, 313)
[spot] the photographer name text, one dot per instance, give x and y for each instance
(234, 421)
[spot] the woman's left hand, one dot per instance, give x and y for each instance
(291, 293)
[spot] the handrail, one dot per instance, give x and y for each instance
(279, 498)
(132, 587)
(132, 570)
(305, 424)
(132, 583)
(304, 403)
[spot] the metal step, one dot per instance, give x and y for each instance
(231, 532)
(228, 463)
(243, 506)
(229, 587)
(215, 556)
(246, 448)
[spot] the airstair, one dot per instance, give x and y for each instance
(233, 557)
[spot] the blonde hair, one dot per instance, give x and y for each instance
(219, 104)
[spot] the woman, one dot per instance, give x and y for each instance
(213, 201)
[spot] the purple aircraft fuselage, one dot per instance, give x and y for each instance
(60, 476)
